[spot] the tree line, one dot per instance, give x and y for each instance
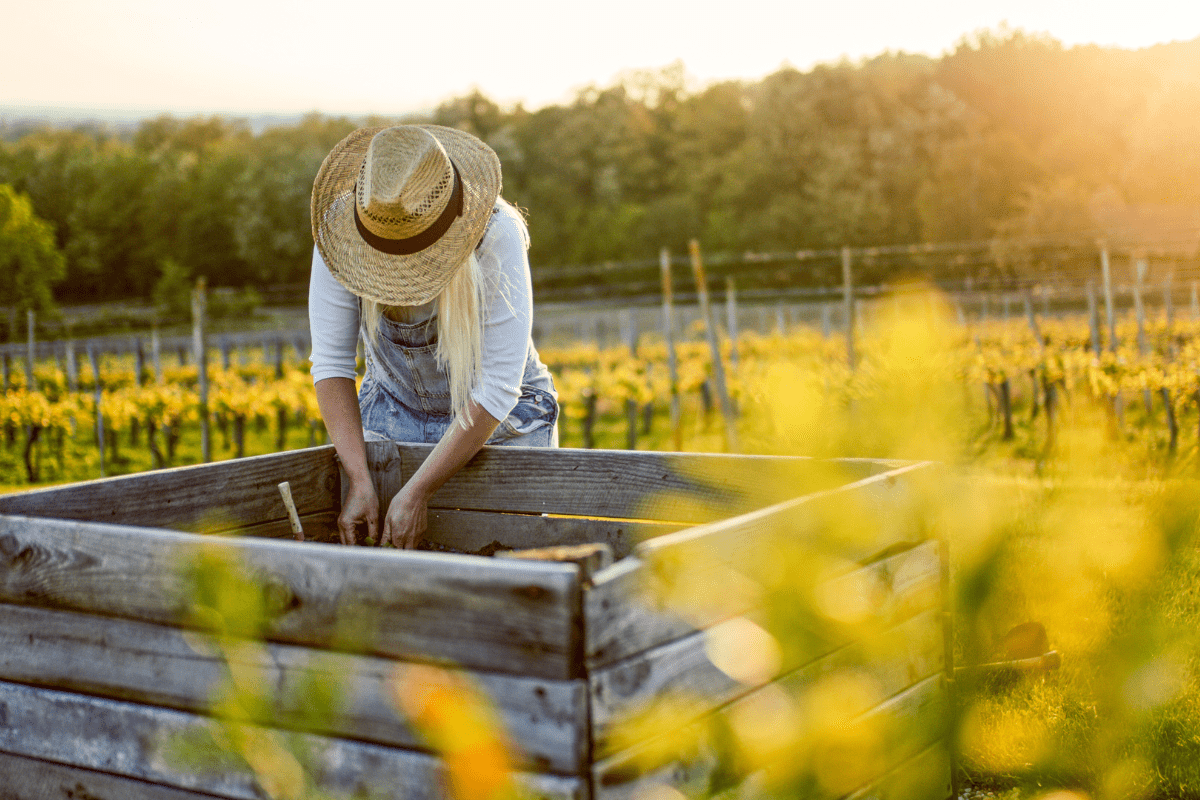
(1010, 133)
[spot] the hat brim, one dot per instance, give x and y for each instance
(400, 280)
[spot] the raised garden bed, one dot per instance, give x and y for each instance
(103, 664)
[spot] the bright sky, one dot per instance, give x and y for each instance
(365, 56)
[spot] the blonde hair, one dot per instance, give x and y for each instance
(460, 316)
(459, 323)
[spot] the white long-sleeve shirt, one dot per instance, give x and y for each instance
(333, 315)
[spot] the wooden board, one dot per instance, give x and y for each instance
(206, 497)
(907, 724)
(900, 656)
(517, 617)
(628, 610)
(36, 779)
(854, 522)
(141, 742)
(476, 531)
(674, 487)
(165, 666)
(320, 526)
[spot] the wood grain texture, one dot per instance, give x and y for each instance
(206, 497)
(855, 522)
(895, 659)
(320, 526)
(165, 666)
(493, 615)
(674, 487)
(143, 742)
(897, 729)
(630, 608)
(624, 614)
(35, 779)
(475, 531)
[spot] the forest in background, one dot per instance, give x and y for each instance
(1010, 134)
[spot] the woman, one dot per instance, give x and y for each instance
(416, 252)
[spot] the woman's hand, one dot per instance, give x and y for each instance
(361, 505)
(406, 518)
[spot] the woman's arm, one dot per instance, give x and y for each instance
(406, 518)
(338, 402)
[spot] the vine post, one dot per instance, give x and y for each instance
(31, 323)
(731, 320)
(1106, 275)
(99, 396)
(1139, 270)
(664, 262)
(199, 347)
(848, 300)
(711, 334)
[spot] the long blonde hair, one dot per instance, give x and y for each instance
(460, 312)
(459, 308)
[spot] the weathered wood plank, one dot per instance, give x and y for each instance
(897, 658)
(35, 779)
(486, 532)
(624, 614)
(142, 742)
(675, 487)
(476, 531)
(904, 725)
(629, 610)
(318, 527)
(204, 497)
(854, 522)
(925, 776)
(165, 666)
(518, 617)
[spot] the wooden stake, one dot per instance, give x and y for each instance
(285, 490)
(714, 347)
(1032, 319)
(1139, 277)
(1143, 346)
(72, 367)
(664, 262)
(200, 348)
(30, 381)
(848, 301)
(156, 355)
(95, 362)
(1106, 274)
(731, 321)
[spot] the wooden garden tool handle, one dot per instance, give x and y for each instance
(285, 489)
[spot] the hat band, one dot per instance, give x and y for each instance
(414, 244)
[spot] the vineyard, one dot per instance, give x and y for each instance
(1015, 379)
(1061, 430)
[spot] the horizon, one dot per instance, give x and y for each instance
(165, 62)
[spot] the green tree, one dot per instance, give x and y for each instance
(30, 261)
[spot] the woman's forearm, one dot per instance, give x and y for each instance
(339, 408)
(405, 522)
(456, 447)
(338, 402)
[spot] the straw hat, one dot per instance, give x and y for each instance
(396, 211)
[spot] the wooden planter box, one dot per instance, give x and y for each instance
(103, 666)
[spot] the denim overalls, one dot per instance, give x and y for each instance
(405, 397)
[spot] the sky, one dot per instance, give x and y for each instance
(358, 57)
